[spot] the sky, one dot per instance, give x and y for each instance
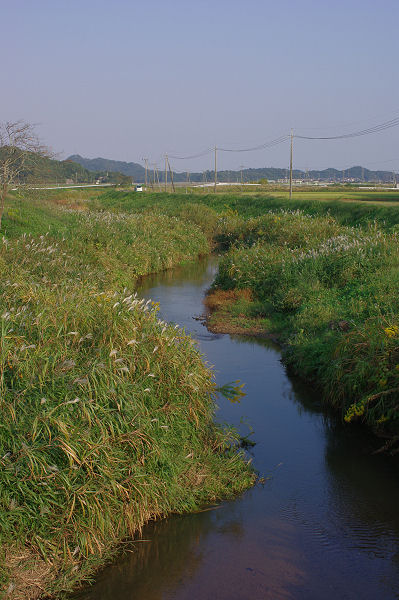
(124, 79)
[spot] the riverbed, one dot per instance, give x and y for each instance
(323, 525)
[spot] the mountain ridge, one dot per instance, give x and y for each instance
(137, 171)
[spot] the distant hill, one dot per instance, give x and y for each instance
(39, 169)
(137, 171)
(103, 164)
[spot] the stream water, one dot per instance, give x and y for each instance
(325, 524)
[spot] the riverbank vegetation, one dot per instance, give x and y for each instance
(107, 411)
(319, 275)
(330, 294)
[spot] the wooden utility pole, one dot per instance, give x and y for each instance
(291, 149)
(166, 171)
(153, 177)
(216, 172)
(146, 169)
(171, 175)
(241, 168)
(188, 180)
(159, 184)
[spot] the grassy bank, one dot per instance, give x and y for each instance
(107, 412)
(321, 274)
(352, 209)
(330, 293)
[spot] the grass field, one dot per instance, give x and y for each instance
(356, 208)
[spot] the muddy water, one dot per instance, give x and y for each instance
(325, 524)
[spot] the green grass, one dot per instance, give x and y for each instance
(322, 273)
(363, 207)
(331, 293)
(107, 412)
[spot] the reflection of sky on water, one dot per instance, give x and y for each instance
(324, 525)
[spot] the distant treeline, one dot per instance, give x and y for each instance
(40, 169)
(137, 171)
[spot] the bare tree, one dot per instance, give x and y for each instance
(20, 147)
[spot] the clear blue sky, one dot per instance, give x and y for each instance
(128, 79)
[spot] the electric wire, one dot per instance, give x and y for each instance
(368, 119)
(283, 138)
(361, 132)
(263, 146)
(199, 155)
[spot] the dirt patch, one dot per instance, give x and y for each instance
(29, 575)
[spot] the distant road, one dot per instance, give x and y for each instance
(67, 187)
(235, 184)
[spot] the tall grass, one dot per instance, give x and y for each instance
(353, 213)
(331, 292)
(107, 411)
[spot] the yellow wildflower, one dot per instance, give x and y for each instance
(392, 331)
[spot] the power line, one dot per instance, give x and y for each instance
(361, 132)
(269, 144)
(199, 155)
(351, 123)
(263, 146)
(283, 138)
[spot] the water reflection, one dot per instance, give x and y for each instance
(171, 549)
(326, 523)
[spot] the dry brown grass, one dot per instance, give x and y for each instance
(29, 575)
(221, 320)
(218, 299)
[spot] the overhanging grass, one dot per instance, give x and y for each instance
(107, 412)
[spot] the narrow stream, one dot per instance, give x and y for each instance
(325, 525)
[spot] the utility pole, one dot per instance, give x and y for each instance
(157, 174)
(188, 180)
(171, 176)
(241, 168)
(166, 171)
(291, 149)
(153, 176)
(216, 172)
(146, 169)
